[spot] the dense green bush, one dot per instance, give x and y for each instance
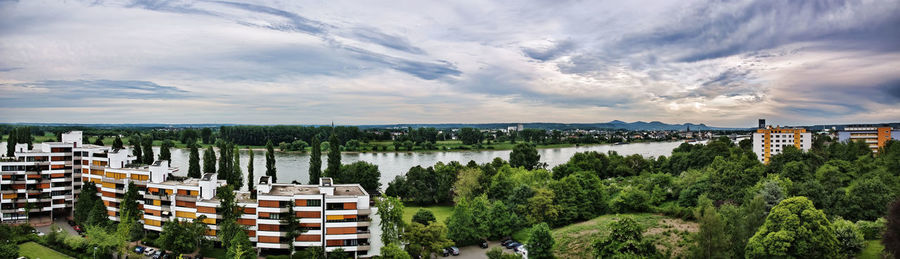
(850, 239)
(871, 229)
(794, 229)
(630, 199)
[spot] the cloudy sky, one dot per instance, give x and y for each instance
(723, 63)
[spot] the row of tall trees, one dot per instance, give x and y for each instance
(18, 135)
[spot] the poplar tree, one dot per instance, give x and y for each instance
(315, 161)
(136, 148)
(148, 150)
(334, 156)
(11, 144)
(209, 161)
(194, 162)
(250, 178)
(270, 161)
(117, 143)
(165, 151)
(237, 177)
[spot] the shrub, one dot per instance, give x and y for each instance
(630, 199)
(871, 229)
(850, 239)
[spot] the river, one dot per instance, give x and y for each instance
(295, 166)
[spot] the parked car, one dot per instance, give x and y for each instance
(77, 228)
(512, 245)
(454, 250)
(139, 249)
(158, 254)
(149, 251)
(506, 242)
(483, 244)
(445, 252)
(519, 249)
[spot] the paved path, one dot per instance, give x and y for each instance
(62, 223)
(476, 252)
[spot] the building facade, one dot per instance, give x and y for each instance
(770, 141)
(874, 137)
(50, 176)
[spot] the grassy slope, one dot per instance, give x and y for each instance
(574, 241)
(873, 250)
(441, 213)
(35, 250)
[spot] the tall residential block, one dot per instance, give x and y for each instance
(770, 141)
(874, 137)
(43, 183)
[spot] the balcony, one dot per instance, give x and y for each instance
(185, 198)
(157, 197)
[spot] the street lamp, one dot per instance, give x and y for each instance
(95, 252)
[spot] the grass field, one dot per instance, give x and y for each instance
(873, 250)
(575, 240)
(35, 250)
(441, 213)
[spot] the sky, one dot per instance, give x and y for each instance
(722, 63)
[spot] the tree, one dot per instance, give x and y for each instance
(85, 202)
(291, 226)
(540, 245)
(891, 237)
(364, 173)
(393, 251)
(117, 143)
(270, 162)
(129, 212)
(165, 150)
(136, 148)
(240, 247)
(11, 148)
(148, 157)
(850, 239)
(99, 141)
(250, 178)
(315, 161)
(390, 210)
(423, 216)
(794, 228)
(503, 220)
(194, 161)
(237, 177)
(712, 239)
(334, 157)
(10, 250)
(206, 135)
(867, 198)
(468, 184)
(625, 240)
(524, 155)
(424, 240)
(209, 161)
(470, 136)
(181, 236)
(541, 207)
(225, 162)
(98, 214)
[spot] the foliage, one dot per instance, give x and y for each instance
(524, 155)
(469, 223)
(497, 253)
(871, 229)
(270, 162)
(251, 179)
(794, 228)
(393, 251)
(630, 199)
(850, 240)
(194, 161)
(424, 217)
(315, 162)
(240, 247)
(625, 240)
(390, 210)
(540, 245)
(503, 220)
(468, 183)
(580, 196)
(424, 240)
(541, 207)
(334, 157)
(364, 173)
(182, 236)
(209, 161)
(867, 199)
(148, 156)
(426, 186)
(470, 136)
(712, 240)
(891, 237)
(165, 150)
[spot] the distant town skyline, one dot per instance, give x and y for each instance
(723, 64)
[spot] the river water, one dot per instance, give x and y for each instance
(295, 166)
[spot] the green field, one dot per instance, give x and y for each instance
(441, 213)
(874, 250)
(574, 241)
(35, 250)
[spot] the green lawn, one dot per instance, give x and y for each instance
(35, 250)
(213, 252)
(873, 250)
(441, 213)
(575, 240)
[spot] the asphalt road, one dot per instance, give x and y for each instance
(476, 252)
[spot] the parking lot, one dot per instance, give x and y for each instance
(476, 252)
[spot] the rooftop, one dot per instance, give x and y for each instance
(291, 189)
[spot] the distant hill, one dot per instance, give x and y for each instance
(616, 124)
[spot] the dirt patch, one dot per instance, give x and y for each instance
(670, 233)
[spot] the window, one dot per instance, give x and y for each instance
(313, 203)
